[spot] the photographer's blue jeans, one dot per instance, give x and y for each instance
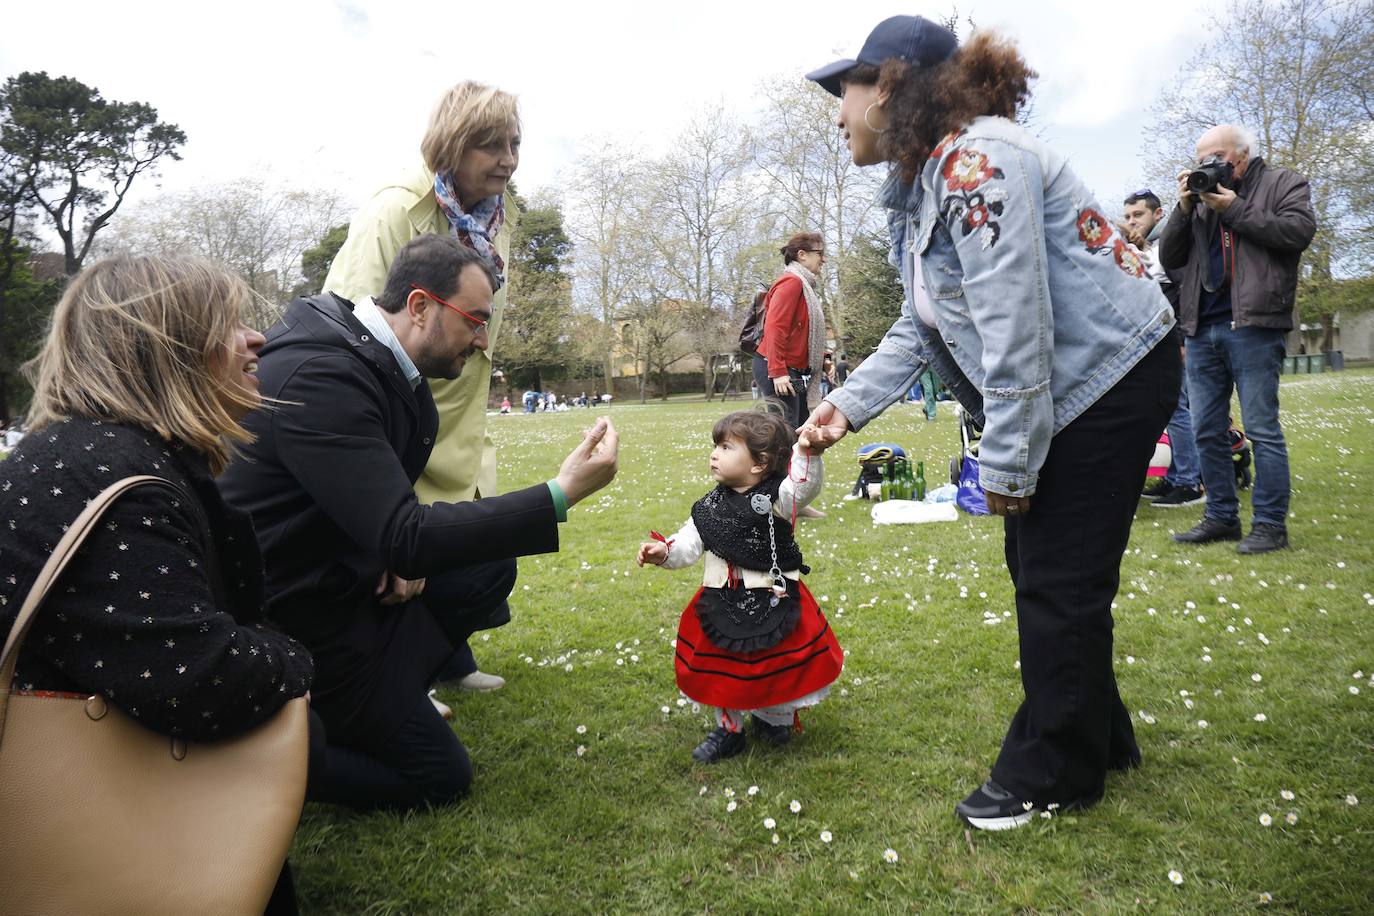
(1184, 472)
(1221, 358)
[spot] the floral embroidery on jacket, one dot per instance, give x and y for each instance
(965, 173)
(1127, 259)
(967, 169)
(1096, 234)
(1093, 230)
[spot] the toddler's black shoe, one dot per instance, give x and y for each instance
(776, 735)
(720, 744)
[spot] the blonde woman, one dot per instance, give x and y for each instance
(147, 369)
(471, 149)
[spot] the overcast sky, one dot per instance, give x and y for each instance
(335, 93)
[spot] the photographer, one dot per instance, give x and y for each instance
(1235, 258)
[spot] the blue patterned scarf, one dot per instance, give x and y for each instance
(478, 229)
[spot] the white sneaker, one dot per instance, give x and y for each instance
(482, 682)
(440, 707)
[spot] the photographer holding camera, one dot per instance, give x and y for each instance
(1235, 258)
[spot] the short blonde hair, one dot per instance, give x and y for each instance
(144, 341)
(468, 114)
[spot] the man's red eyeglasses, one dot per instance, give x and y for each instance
(478, 324)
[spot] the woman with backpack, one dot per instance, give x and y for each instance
(794, 328)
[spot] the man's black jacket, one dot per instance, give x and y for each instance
(1270, 222)
(329, 485)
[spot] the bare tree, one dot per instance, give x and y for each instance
(695, 219)
(811, 179)
(600, 218)
(257, 229)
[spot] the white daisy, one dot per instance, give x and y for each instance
(1176, 876)
(890, 856)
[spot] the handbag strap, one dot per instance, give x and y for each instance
(61, 555)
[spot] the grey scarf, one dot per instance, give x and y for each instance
(815, 343)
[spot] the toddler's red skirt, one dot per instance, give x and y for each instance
(807, 660)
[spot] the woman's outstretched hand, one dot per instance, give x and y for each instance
(826, 426)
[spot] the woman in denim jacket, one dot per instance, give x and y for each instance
(1043, 323)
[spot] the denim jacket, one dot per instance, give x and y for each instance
(1040, 306)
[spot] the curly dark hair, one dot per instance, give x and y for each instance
(986, 76)
(767, 435)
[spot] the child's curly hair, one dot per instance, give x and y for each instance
(765, 433)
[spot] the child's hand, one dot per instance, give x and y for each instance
(655, 552)
(812, 438)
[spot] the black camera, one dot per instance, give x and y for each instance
(1209, 173)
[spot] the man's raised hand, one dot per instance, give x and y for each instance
(591, 465)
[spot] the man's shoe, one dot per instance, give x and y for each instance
(1264, 538)
(1155, 488)
(1179, 496)
(440, 707)
(719, 745)
(776, 735)
(481, 682)
(1209, 530)
(991, 807)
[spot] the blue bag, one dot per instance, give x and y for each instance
(970, 497)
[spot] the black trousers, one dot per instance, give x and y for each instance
(467, 600)
(423, 762)
(794, 407)
(1065, 562)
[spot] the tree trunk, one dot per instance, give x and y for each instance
(4, 403)
(1328, 332)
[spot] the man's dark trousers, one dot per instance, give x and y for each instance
(423, 761)
(1065, 562)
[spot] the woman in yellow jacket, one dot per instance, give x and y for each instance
(471, 149)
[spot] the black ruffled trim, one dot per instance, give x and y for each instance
(720, 620)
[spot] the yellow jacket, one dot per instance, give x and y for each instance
(463, 463)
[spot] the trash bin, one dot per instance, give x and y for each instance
(1336, 360)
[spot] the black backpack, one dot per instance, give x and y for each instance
(751, 335)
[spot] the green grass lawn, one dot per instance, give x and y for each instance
(1252, 682)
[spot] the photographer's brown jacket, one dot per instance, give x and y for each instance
(1271, 224)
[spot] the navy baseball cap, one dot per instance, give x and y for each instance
(913, 39)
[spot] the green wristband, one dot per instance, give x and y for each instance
(560, 501)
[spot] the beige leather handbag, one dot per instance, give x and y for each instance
(100, 815)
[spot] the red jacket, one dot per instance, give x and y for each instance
(786, 327)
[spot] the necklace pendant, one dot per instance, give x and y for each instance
(760, 503)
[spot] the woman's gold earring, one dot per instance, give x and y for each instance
(869, 124)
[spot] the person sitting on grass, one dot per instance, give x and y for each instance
(752, 639)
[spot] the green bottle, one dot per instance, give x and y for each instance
(920, 483)
(904, 478)
(885, 489)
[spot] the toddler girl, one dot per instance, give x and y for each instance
(752, 639)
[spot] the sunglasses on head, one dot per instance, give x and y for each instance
(478, 324)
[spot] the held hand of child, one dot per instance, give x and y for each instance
(814, 439)
(655, 552)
